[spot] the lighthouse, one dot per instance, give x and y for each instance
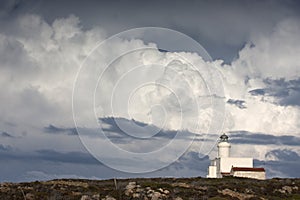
(225, 165)
(224, 147)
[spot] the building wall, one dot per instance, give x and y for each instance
(219, 175)
(250, 174)
(212, 172)
(227, 163)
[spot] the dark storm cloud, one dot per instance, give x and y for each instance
(286, 91)
(283, 155)
(9, 153)
(69, 157)
(222, 27)
(9, 8)
(191, 160)
(6, 7)
(116, 130)
(285, 163)
(133, 126)
(279, 168)
(116, 134)
(111, 128)
(5, 134)
(124, 132)
(4, 148)
(257, 92)
(47, 168)
(244, 137)
(58, 130)
(238, 103)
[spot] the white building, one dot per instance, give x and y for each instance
(257, 173)
(224, 165)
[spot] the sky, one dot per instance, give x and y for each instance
(98, 90)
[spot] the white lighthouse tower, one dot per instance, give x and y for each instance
(224, 165)
(224, 147)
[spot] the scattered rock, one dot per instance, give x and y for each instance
(131, 185)
(235, 194)
(76, 193)
(85, 197)
(129, 188)
(29, 196)
(202, 188)
(249, 191)
(185, 185)
(136, 195)
(67, 183)
(150, 191)
(167, 192)
(288, 189)
(178, 198)
(96, 197)
(108, 198)
(156, 196)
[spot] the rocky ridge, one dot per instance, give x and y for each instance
(153, 189)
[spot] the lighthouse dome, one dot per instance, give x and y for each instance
(224, 138)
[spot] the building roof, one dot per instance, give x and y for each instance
(258, 169)
(225, 173)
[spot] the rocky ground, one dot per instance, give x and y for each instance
(153, 189)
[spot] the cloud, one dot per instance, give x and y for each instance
(286, 93)
(9, 153)
(39, 61)
(42, 169)
(136, 130)
(281, 163)
(69, 157)
(138, 137)
(38, 67)
(7, 135)
(7, 6)
(282, 155)
(273, 56)
(265, 76)
(230, 24)
(26, 166)
(41, 67)
(57, 130)
(244, 137)
(239, 103)
(193, 161)
(5, 148)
